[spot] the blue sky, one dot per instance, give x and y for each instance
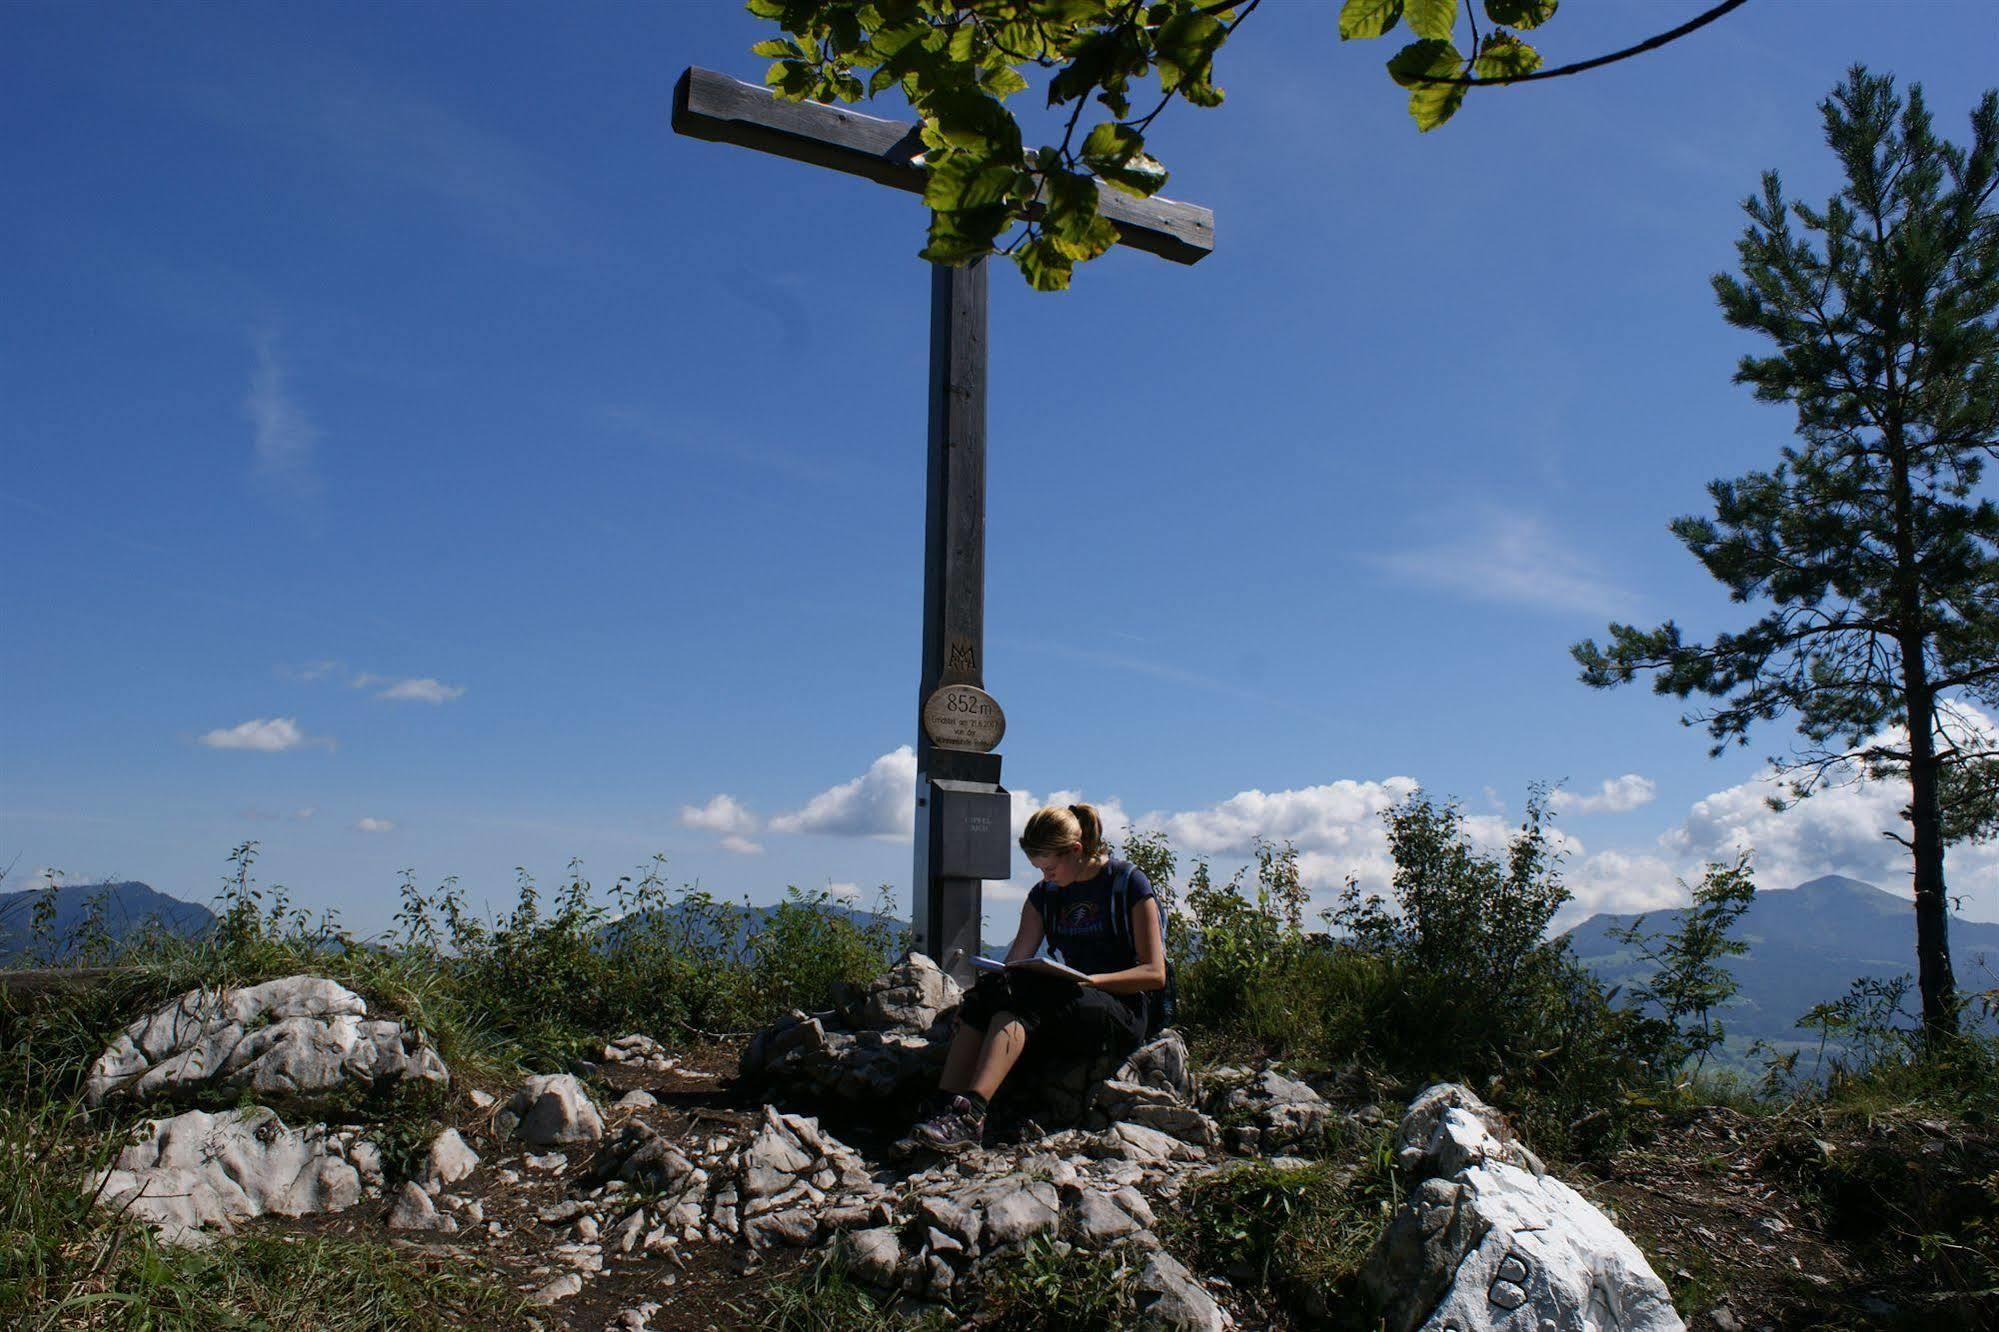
(416, 456)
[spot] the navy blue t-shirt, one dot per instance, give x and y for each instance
(1079, 919)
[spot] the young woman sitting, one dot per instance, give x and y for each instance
(1071, 909)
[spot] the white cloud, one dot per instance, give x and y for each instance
(1618, 795)
(271, 735)
(372, 825)
(312, 670)
(741, 846)
(1337, 816)
(1839, 830)
(1512, 559)
(1620, 882)
(302, 815)
(880, 803)
(425, 690)
(722, 814)
(409, 689)
(284, 439)
(850, 893)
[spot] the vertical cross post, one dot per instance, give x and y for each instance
(969, 833)
(954, 597)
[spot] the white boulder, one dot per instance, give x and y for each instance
(292, 1038)
(1496, 1246)
(199, 1170)
(549, 1111)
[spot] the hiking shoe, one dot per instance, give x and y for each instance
(959, 1127)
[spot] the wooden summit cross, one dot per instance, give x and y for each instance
(963, 824)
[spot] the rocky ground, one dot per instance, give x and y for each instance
(668, 1190)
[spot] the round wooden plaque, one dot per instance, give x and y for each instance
(962, 716)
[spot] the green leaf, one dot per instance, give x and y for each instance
(1069, 216)
(962, 42)
(891, 41)
(1117, 154)
(1430, 104)
(1409, 65)
(779, 48)
(791, 79)
(963, 235)
(1004, 81)
(1184, 48)
(766, 9)
(1520, 13)
(964, 180)
(1097, 239)
(1044, 265)
(1433, 19)
(1504, 56)
(1368, 18)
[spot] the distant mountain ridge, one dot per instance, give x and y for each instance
(127, 907)
(1806, 947)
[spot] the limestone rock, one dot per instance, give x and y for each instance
(638, 1318)
(1096, 1220)
(639, 1051)
(1162, 1062)
(196, 1170)
(1020, 1214)
(916, 996)
(1269, 1113)
(1495, 1246)
(1170, 1297)
(295, 1038)
(875, 1255)
(1447, 1127)
(449, 1159)
(561, 1288)
(413, 1209)
(551, 1110)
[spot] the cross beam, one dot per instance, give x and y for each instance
(708, 105)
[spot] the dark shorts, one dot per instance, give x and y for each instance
(1061, 1017)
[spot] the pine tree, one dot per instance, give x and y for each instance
(1870, 536)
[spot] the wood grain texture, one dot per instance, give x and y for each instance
(712, 106)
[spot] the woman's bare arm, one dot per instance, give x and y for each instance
(1028, 937)
(1150, 973)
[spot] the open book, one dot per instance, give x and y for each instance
(1035, 966)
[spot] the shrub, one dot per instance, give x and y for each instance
(1300, 1234)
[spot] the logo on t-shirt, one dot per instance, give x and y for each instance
(1084, 917)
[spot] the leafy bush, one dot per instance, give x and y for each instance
(1688, 981)
(1454, 977)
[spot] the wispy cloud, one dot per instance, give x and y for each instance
(1618, 795)
(265, 735)
(420, 691)
(284, 439)
(374, 825)
(409, 689)
(1512, 559)
(311, 671)
(398, 143)
(272, 816)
